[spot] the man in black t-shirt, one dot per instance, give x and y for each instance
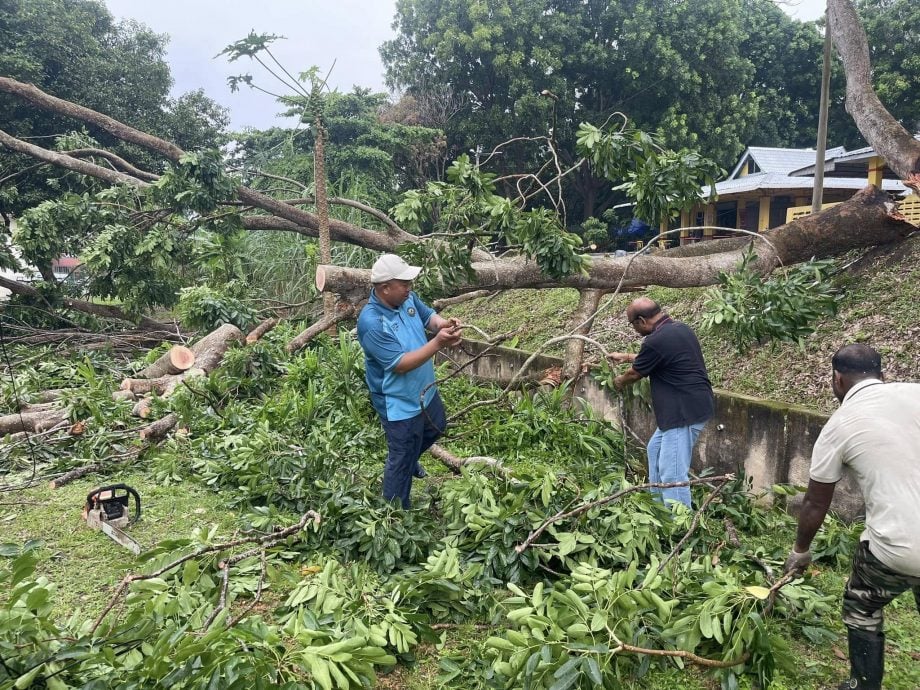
(681, 392)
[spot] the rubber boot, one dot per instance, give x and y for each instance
(867, 660)
(419, 472)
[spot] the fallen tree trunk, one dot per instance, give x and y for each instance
(35, 422)
(176, 360)
(867, 219)
(210, 350)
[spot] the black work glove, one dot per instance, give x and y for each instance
(797, 562)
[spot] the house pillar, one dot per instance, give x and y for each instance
(709, 220)
(876, 168)
(684, 224)
(763, 218)
(740, 205)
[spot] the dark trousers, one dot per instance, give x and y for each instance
(407, 439)
(871, 586)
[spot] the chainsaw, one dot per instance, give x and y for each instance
(106, 509)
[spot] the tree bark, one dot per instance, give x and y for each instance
(174, 361)
(343, 311)
(62, 160)
(210, 350)
(141, 408)
(322, 208)
(885, 134)
(260, 330)
(145, 386)
(157, 431)
(75, 474)
(583, 318)
(32, 421)
(455, 463)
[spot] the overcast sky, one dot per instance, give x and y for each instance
(318, 32)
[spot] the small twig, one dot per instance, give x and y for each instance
(683, 654)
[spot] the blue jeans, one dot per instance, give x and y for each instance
(669, 454)
(407, 439)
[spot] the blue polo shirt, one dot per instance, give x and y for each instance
(385, 335)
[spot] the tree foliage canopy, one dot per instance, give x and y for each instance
(711, 76)
(76, 50)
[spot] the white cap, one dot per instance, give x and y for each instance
(391, 267)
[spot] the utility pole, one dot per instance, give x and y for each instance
(817, 195)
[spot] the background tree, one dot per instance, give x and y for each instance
(703, 75)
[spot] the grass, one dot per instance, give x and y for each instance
(879, 305)
(84, 563)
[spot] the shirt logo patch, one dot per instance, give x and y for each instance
(411, 311)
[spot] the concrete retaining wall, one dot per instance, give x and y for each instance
(770, 442)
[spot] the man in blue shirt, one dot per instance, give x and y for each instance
(399, 369)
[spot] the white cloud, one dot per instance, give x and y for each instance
(318, 32)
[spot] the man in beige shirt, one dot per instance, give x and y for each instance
(876, 435)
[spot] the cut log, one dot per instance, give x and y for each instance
(123, 395)
(209, 351)
(177, 381)
(178, 359)
(260, 330)
(343, 311)
(141, 408)
(32, 421)
(147, 386)
(40, 407)
(157, 431)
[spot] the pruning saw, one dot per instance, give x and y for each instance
(107, 509)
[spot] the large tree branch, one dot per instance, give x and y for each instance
(40, 99)
(886, 135)
(117, 161)
(346, 231)
(105, 311)
(67, 162)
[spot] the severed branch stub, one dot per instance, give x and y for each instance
(585, 507)
(263, 542)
